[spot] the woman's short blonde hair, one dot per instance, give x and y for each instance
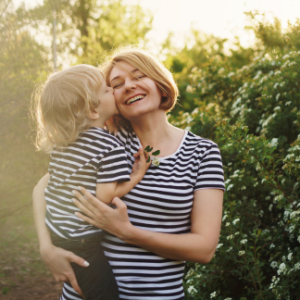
(151, 67)
(62, 105)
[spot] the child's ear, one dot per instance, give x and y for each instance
(93, 114)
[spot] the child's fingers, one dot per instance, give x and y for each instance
(142, 155)
(119, 203)
(136, 155)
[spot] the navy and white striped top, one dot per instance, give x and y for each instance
(95, 157)
(162, 202)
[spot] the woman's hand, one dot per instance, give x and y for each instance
(115, 221)
(58, 262)
(197, 246)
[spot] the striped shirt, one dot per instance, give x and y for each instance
(95, 157)
(162, 202)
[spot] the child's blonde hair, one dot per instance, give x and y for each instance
(62, 105)
(152, 68)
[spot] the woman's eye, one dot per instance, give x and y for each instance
(117, 85)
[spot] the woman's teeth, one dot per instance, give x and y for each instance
(134, 99)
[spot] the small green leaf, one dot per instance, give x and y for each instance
(147, 149)
(5, 290)
(148, 159)
(150, 149)
(156, 153)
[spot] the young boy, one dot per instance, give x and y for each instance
(72, 108)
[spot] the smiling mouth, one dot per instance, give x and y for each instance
(135, 99)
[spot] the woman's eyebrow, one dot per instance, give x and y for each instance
(133, 71)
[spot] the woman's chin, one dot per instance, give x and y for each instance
(138, 109)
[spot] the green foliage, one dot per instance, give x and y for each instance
(90, 29)
(155, 160)
(256, 113)
(155, 153)
(23, 63)
(84, 28)
(117, 25)
(198, 49)
(148, 149)
(206, 51)
(271, 35)
(5, 290)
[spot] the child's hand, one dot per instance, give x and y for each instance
(141, 165)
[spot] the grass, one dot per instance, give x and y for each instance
(20, 263)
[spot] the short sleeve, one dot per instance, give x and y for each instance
(51, 167)
(113, 166)
(210, 170)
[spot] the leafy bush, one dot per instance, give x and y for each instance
(23, 65)
(256, 114)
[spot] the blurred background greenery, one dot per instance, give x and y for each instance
(237, 96)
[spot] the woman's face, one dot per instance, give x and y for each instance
(135, 93)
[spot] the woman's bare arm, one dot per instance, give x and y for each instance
(57, 259)
(197, 246)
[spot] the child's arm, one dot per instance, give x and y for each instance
(39, 212)
(107, 191)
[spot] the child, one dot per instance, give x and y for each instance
(72, 108)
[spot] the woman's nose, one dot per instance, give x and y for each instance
(129, 85)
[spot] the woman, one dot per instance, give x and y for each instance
(172, 215)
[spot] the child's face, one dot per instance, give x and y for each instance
(107, 107)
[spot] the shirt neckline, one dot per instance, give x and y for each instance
(171, 155)
(98, 128)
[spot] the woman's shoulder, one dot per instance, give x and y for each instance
(199, 141)
(124, 135)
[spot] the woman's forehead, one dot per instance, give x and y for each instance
(122, 68)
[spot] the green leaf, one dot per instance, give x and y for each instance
(5, 290)
(148, 159)
(148, 149)
(156, 153)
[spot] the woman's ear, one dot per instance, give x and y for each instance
(163, 97)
